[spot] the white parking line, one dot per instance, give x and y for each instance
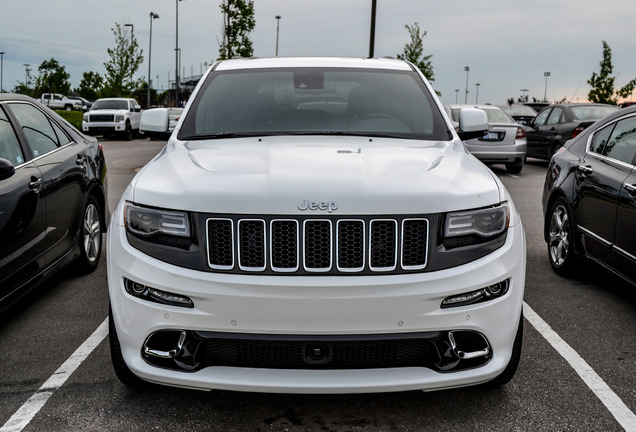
(626, 418)
(21, 418)
(612, 402)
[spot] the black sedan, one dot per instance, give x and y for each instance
(589, 198)
(556, 124)
(53, 196)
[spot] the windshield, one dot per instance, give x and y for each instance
(314, 101)
(110, 104)
(592, 112)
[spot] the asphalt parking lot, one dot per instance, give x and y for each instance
(577, 370)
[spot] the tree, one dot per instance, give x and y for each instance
(414, 50)
(91, 86)
(238, 23)
(53, 78)
(603, 83)
(124, 61)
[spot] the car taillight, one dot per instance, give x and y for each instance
(521, 133)
(577, 131)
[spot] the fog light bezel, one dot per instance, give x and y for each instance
(487, 293)
(148, 293)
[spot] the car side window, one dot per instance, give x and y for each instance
(600, 139)
(555, 116)
(541, 118)
(37, 128)
(622, 143)
(9, 144)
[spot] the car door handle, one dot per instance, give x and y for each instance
(35, 184)
(584, 169)
(631, 189)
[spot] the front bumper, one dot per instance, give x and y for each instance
(97, 128)
(304, 307)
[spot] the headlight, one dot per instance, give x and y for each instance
(85, 117)
(119, 118)
(157, 225)
(476, 226)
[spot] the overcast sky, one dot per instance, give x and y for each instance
(508, 44)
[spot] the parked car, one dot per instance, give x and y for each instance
(86, 104)
(315, 225)
(589, 198)
(505, 142)
(53, 196)
(57, 101)
(522, 114)
(556, 124)
(111, 116)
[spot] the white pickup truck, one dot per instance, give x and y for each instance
(113, 116)
(57, 101)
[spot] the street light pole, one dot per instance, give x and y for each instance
(26, 74)
(545, 94)
(477, 94)
(132, 52)
(277, 28)
(152, 17)
(374, 6)
(176, 54)
(1, 70)
(466, 69)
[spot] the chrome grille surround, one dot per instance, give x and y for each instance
(329, 245)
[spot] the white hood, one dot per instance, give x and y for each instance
(274, 175)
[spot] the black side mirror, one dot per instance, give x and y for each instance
(6, 169)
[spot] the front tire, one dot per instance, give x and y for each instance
(514, 168)
(561, 238)
(128, 133)
(90, 238)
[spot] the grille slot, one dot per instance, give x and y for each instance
(102, 118)
(291, 354)
(317, 246)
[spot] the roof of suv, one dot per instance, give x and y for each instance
(343, 62)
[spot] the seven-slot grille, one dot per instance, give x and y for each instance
(317, 246)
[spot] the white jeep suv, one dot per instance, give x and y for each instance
(315, 225)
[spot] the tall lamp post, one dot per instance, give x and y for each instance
(176, 54)
(477, 93)
(277, 28)
(26, 74)
(545, 93)
(152, 17)
(456, 94)
(1, 70)
(466, 69)
(132, 38)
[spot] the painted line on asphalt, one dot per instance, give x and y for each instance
(23, 416)
(612, 402)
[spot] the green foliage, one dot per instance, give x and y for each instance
(238, 23)
(53, 78)
(603, 83)
(73, 117)
(124, 61)
(413, 51)
(91, 86)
